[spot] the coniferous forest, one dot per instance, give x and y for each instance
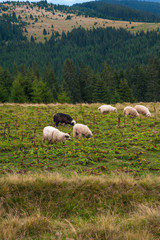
(99, 65)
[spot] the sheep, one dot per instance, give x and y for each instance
(52, 134)
(143, 110)
(107, 108)
(63, 118)
(81, 130)
(130, 111)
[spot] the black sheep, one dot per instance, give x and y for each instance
(63, 118)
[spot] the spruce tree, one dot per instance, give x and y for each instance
(41, 93)
(17, 90)
(153, 80)
(72, 81)
(109, 79)
(51, 80)
(125, 92)
(100, 90)
(5, 85)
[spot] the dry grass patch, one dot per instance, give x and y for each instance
(52, 206)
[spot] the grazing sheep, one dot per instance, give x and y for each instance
(81, 130)
(130, 111)
(63, 118)
(143, 110)
(52, 134)
(107, 108)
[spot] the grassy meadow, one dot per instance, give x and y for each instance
(119, 144)
(105, 187)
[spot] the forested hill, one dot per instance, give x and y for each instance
(83, 65)
(146, 6)
(117, 47)
(113, 11)
(77, 62)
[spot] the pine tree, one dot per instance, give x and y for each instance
(35, 70)
(125, 92)
(91, 79)
(15, 70)
(153, 80)
(72, 81)
(86, 80)
(3, 94)
(137, 81)
(5, 85)
(100, 91)
(17, 90)
(51, 80)
(63, 97)
(83, 81)
(109, 79)
(41, 93)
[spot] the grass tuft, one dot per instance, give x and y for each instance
(51, 206)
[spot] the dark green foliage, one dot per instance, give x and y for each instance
(51, 80)
(100, 93)
(125, 92)
(71, 79)
(114, 11)
(86, 80)
(68, 17)
(110, 82)
(146, 6)
(17, 90)
(141, 83)
(9, 31)
(44, 32)
(94, 47)
(32, 39)
(153, 80)
(63, 97)
(5, 85)
(41, 93)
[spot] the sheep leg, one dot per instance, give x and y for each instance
(57, 124)
(74, 134)
(79, 135)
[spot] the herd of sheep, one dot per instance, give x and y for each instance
(52, 134)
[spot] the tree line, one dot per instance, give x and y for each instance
(146, 6)
(115, 11)
(117, 47)
(141, 83)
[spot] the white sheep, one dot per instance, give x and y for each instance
(81, 130)
(143, 110)
(130, 111)
(107, 108)
(52, 134)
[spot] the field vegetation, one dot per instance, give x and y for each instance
(119, 144)
(105, 187)
(51, 206)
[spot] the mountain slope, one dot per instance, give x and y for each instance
(40, 20)
(146, 6)
(114, 11)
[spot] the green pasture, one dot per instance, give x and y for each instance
(118, 144)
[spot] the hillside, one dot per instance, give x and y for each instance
(146, 6)
(41, 21)
(114, 11)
